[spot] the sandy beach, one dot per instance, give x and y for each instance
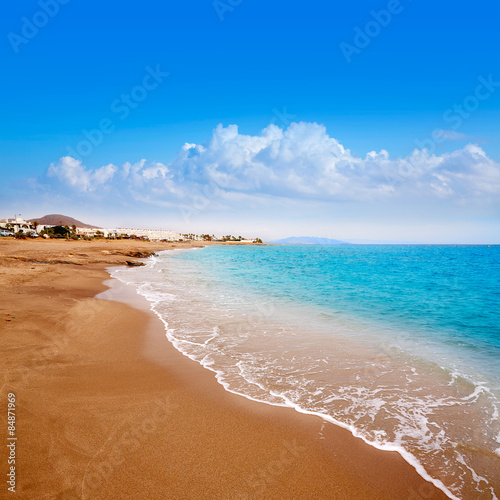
(107, 408)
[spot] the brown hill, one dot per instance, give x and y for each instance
(59, 220)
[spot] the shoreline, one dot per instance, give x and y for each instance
(108, 408)
(327, 419)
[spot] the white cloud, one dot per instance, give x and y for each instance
(302, 162)
(104, 174)
(71, 172)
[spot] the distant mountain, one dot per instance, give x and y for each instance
(308, 240)
(59, 220)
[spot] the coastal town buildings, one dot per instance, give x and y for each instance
(16, 224)
(150, 234)
(10, 227)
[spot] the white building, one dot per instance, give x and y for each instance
(87, 231)
(16, 225)
(151, 234)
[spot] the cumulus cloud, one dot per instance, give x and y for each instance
(73, 173)
(104, 174)
(70, 171)
(301, 162)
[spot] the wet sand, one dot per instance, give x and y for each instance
(107, 408)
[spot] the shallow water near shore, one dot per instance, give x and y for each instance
(401, 345)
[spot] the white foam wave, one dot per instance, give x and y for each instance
(360, 402)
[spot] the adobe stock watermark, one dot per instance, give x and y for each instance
(456, 114)
(32, 26)
(221, 7)
(425, 491)
(454, 117)
(201, 199)
(282, 118)
(382, 360)
(21, 374)
(123, 444)
(121, 108)
(363, 36)
(258, 320)
(256, 484)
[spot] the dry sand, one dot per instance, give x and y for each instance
(107, 408)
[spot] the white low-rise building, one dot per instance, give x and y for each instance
(17, 224)
(89, 232)
(151, 234)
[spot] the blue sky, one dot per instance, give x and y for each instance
(253, 64)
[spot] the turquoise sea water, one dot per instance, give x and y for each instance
(445, 291)
(399, 344)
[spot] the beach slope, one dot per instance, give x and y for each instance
(107, 408)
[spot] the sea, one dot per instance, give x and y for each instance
(399, 344)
